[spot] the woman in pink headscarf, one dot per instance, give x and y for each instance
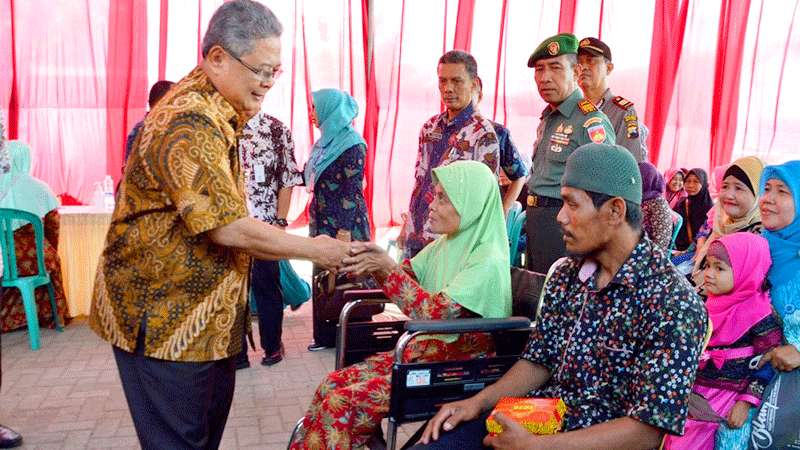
(675, 192)
(743, 327)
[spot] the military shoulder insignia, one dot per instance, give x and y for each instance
(586, 106)
(622, 102)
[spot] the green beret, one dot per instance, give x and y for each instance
(605, 169)
(560, 44)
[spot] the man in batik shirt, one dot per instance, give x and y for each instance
(270, 173)
(619, 336)
(170, 292)
(459, 133)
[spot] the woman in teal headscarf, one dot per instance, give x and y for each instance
(20, 190)
(335, 169)
(335, 175)
(463, 273)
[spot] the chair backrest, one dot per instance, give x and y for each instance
(513, 237)
(513, 212)
(526, 292)
(8, 217)
(677, 223)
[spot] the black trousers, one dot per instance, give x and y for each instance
(545, 242)
(466, 436)
(265, 285)
(180, 405)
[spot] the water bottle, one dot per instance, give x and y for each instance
(108, 193)
(98, 198)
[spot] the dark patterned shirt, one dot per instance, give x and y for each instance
(159, 264)
(469, 136)
(657, 221)
(629, 349)
(510, 160)
(338, 202)
(267, 152)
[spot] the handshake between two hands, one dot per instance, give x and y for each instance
(356, 258)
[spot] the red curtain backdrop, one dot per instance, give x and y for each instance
(74, 92)
(126, 72)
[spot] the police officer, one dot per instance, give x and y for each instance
(567, 122)
(594, 57)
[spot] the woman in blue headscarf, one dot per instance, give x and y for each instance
(779, 205)
(335, 169)
(20, 190)
(335, 175)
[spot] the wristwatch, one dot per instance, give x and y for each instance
(281, 223)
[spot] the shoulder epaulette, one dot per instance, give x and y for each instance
(586, 106)
(622, 102)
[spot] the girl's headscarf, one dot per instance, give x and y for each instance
(695, 208)
(653, 184)
(470, 266)
(335, 112)
(735, 313)
(20, 190)
(784, 244)
(673, 198)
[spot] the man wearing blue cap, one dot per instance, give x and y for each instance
(619, 336)
(567, 122)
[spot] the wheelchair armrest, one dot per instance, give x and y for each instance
(466, 325)
(349, 296)
(416, 328)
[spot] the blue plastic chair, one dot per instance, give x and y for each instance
(513, 238)
(677, 223)
(26, 285)
(513, 213)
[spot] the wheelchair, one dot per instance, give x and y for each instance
(418, 389)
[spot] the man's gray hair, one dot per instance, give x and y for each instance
(460, 57)
(237, 24)
(572, 58)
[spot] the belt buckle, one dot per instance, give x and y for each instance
(533, 201)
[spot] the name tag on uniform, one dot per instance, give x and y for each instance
(258, 173)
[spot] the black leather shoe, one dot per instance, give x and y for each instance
(314, 347)
(272, 359)
(9, 438)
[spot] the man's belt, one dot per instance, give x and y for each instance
(540, 201)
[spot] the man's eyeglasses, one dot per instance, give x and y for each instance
(263, 75)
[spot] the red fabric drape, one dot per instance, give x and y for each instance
(126, 70)
(13, 104)
(566, 18)
(371, 113)
(163, 27)
(669, 25)
(727, 74)
(463, 36)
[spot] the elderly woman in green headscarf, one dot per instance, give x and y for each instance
(20, 190)
(463, 273)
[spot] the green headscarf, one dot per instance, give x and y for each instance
(335, 111)
(20, 190)
(470, 266)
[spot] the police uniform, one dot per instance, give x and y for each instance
(574, 122)
(629, 132)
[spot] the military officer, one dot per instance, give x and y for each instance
(568, 121)
(594, 57)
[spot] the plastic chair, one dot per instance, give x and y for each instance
(677, 223)
(513, 238)
(26, 285)
(511, 218)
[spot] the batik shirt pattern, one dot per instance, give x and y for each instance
(159, 265)
(469, 136)
(268, 164)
